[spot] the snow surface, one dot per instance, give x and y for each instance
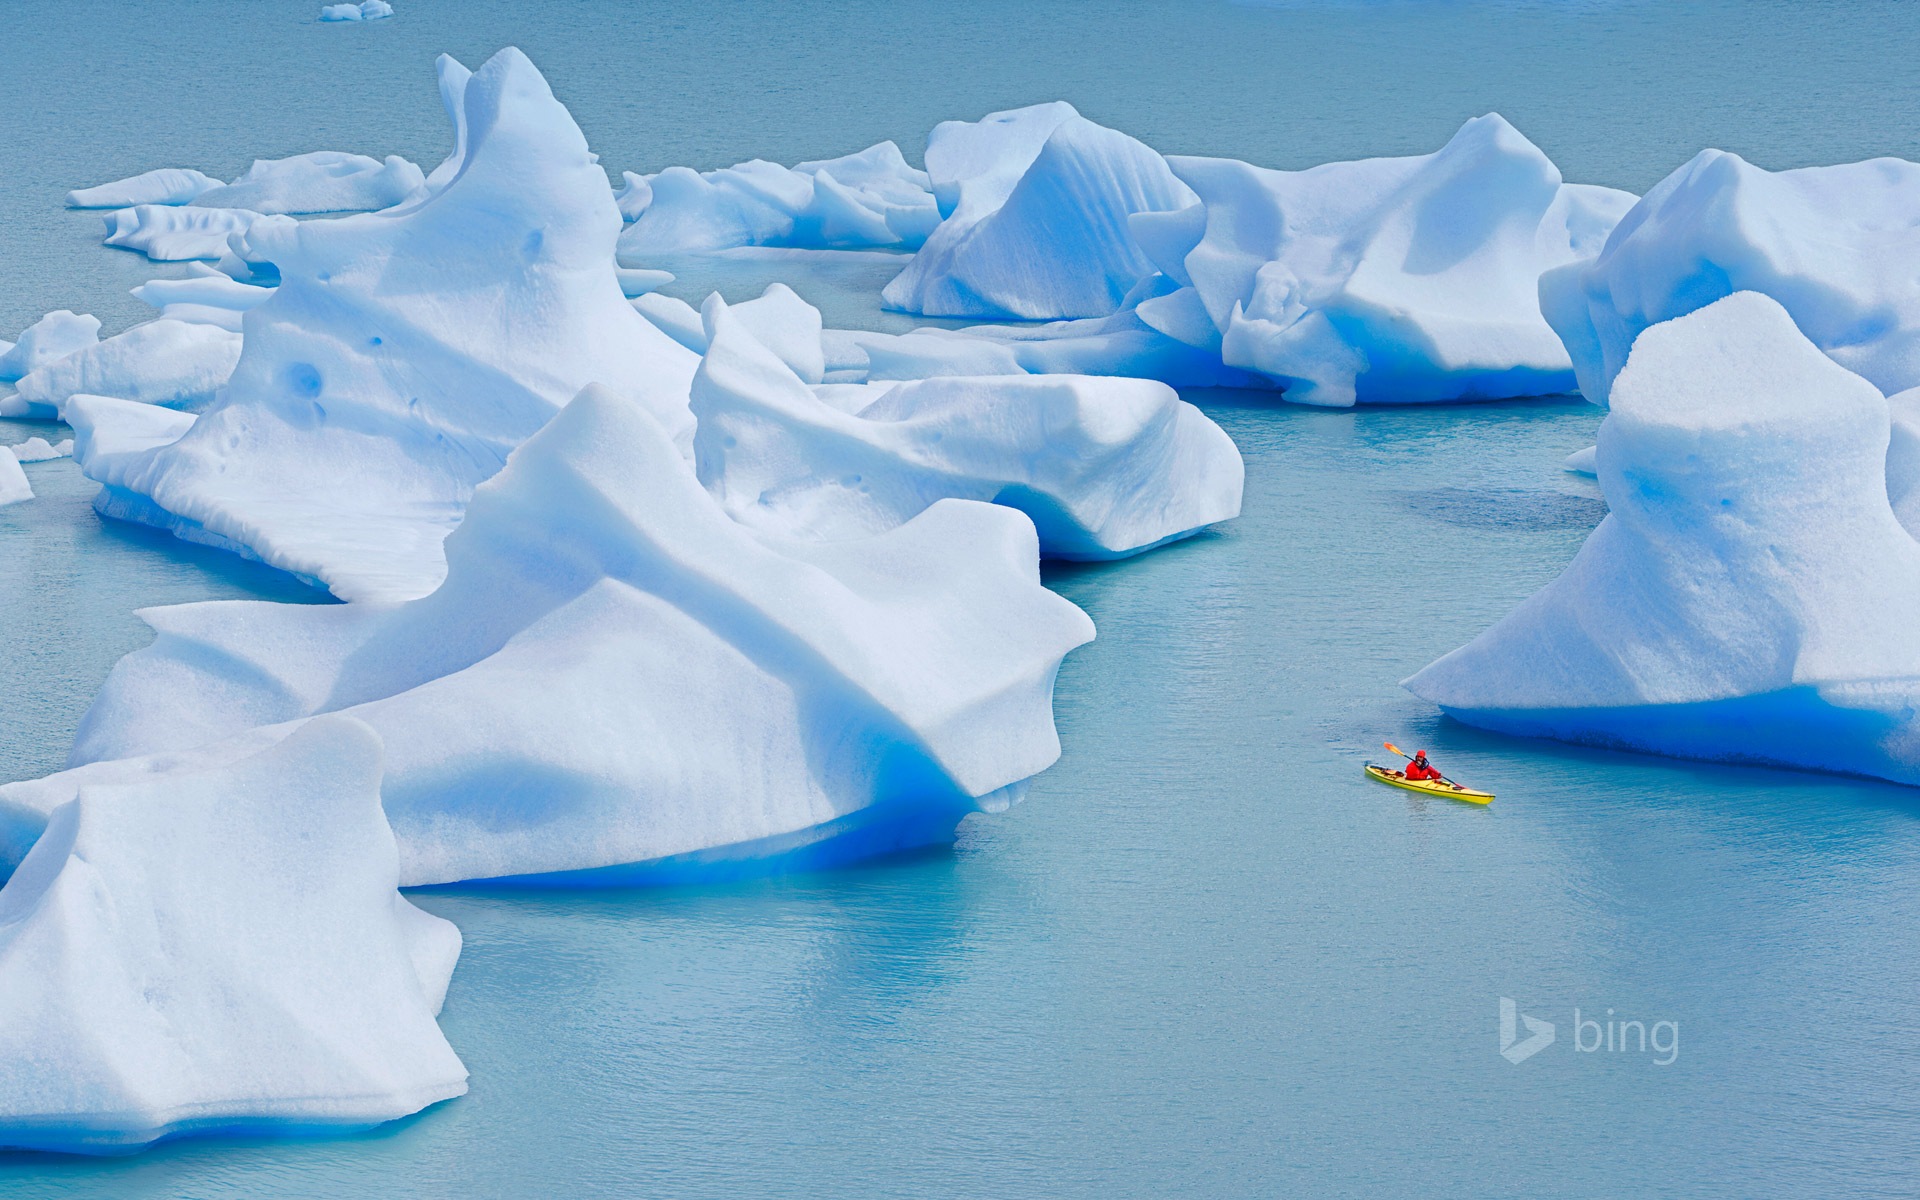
(39, 449)
(617, 675)
(1834, 245)
(862, 200)
(323, 181)
(1747, 597)
(166, 362)
(1104, 467)
(168, 185)
(1055, 242)
(405, 353)
(166, 233)
(220, 949)
(52, 337)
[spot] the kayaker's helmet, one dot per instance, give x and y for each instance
(1419, 753)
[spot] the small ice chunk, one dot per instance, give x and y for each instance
(38, 449)
(168, 234)
(13, 482)
(47, 340)
(635, 281)
(221, 950)
(166, 362)
(366, 10)
(634, 197)
(779, 320)
(320, 182)
(1581, 462)
(169, 185)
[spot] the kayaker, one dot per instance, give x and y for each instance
(1420, 768)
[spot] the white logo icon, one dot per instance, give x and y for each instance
(1539, 1033)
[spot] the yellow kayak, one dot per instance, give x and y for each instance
(1432, 787)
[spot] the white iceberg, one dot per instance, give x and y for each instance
(1582, 462)
(864, 200)
(618, 682)
(323, 181)
(404, 354)
(1834, 245)
(1104, 467)
(366, 10)
(166, 233)
(39, 449)
(1746, 598)
(168, 185)
(166, 362)
(1037, 232)
(1386, 281)
(220, 950)
(14, 487)
(52, 337)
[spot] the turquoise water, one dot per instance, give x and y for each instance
(1205, 957)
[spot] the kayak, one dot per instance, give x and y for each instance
(1431, 787)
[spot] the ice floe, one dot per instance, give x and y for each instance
(1038, 230)
(366, 10)
(1834, 245)
(618, 679)
(14, 487)
(868, 199)
(404, 354)
(47, 340)
(1104, 467)
(1747, 597)
(322, 181)
(168, 233)
(39, 449)
(167, 362)
(220, 948)
(168, 185)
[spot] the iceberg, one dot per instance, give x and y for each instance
(166, 362)
(169, 185)
(324, 181)
(1038, 231)
(1834, 245)
(52, 337)
(1104, 467)
(1746, 598)
(38, 449)
(366, 10)
(404, 354)
(166, 233)
(220, 950)
(864, 200)
(1581, 462)
(1385, 281)
(618, 683)
(14, 487)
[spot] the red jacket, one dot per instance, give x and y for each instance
(1416, 770)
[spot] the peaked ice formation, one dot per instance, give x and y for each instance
(1747, 597)
(323, 181)
(168, 185)
(617, 682)
(222, 949)
(1038, 230)
(405, 353)
(1104, 467)
(1390, 280)
(1834, 245)
(52, 337)
(864, 200)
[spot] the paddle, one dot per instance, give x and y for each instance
(1409, 758)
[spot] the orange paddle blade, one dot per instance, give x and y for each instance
(1396, 750)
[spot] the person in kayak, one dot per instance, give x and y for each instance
(1419, 768)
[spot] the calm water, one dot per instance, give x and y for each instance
(1206, 957)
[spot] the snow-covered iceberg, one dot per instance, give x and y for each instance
(1038, 228)
(865, 200)
(206, 297)
(167, 362)
(220, 950)
(404, 354)
(1748, 597)
(618, 682)
(1104, 467)
(52, 337)
(168, 185)
(1834, 245)
(1386, 281)
(323, 181)
(170, 233)
(366, 10)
